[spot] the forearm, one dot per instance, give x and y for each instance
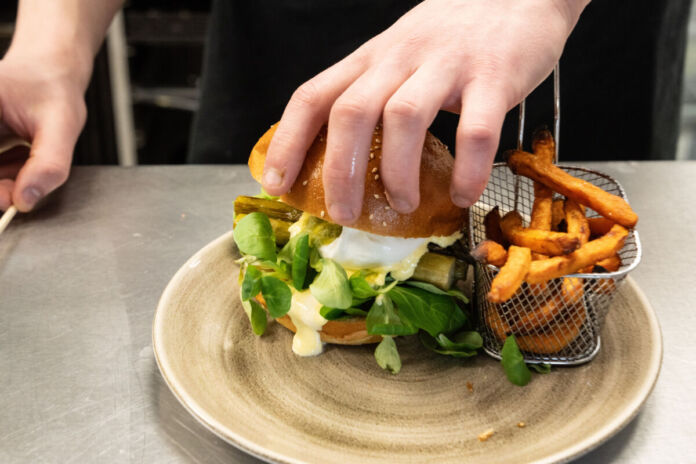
(66, 33)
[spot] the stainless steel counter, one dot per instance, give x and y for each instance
(80, 279)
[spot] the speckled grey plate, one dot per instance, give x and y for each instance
(341, 407)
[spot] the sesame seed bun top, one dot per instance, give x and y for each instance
(436, 215)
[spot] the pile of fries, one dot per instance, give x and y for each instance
(535, 261)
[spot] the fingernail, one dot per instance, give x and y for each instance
(401, 205)
(31, 196)
(341, 213)
(272, 178)
(461, 201)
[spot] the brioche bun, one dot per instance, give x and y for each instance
(435, 216)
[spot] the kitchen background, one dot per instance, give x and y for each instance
(144, 90)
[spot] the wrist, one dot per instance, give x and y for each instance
(59, 62)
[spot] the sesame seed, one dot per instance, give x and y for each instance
(387, 207)
(377, 140)
(376, 195)
(374, 170)
(372, 216)
(322, 213)
(384, 223)
(376, 176)
(372, 155)
(521, 424)
(304, 182)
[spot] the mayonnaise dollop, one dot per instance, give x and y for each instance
(304, 313)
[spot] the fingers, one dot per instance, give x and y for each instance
(407, 116)
(481, 119)
(351, 125)
(48, 165)
(6, 187)
(307, 110)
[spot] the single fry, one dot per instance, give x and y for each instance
(557, 214)
(541, 209)
(492, 227)
(490, 252)
(576, 222)
(599, 225)
(610, 206)
(586, 255)
(544, 146)
(610, 264)
(535, 319)
(541, 241)
(511, 275)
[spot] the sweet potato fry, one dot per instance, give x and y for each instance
(511, 275)
(490, 252)
(557, 214)
(599, 225)
(586, 255)
(552, 340)
(492, 227)
(544, 149)
(610, 264)
(576, 222)
(544, 146)
(541, 241)
(610, 206)
(541, 209)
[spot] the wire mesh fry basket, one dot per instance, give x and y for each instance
(561, 323)
(558, 322)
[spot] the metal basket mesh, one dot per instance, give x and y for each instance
(543, 321)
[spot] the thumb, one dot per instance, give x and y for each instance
(48, 165)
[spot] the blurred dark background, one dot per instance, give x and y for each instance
(158, 48)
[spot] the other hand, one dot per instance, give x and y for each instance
(42, 103)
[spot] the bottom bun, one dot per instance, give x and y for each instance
(351, 331)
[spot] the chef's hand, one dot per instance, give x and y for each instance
(477, 58)
(42, 104)
(43, 77)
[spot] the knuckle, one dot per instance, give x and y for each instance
(307, 95)
(479, 134)
(403, 109)
(350, 108)
(282, 144)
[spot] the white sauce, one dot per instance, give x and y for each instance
(304, 313)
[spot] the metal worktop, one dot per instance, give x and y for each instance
(80, 279)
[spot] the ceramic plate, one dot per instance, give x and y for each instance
(341, 407)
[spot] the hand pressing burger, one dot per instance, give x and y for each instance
(361, 284)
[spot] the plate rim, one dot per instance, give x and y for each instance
(591, 442)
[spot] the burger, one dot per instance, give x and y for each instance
(389, 274)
